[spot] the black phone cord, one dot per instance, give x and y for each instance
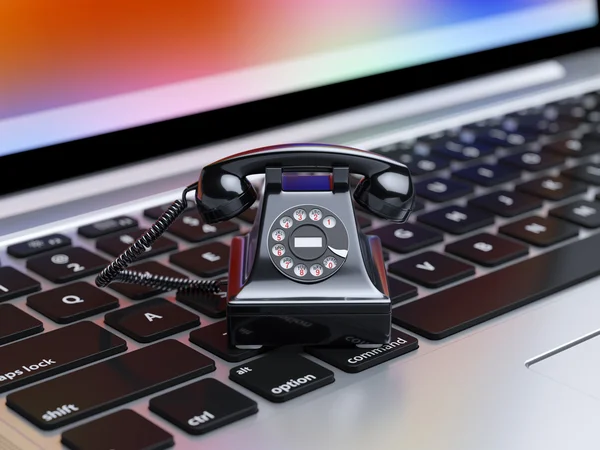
(116, 271)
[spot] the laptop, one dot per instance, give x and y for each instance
(109, 110)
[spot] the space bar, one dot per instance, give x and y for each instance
(465, 305)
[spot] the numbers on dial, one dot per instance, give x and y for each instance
(310, 267)
(329, 222)
(315, 214)
(330, 262)
(286, 222)
(299, 215)
(278, 250)
(286, 263)
(316, 270)
(278, 235)
(300, 270)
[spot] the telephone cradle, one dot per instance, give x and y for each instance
(305, 274)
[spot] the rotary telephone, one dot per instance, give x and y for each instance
(305, 273)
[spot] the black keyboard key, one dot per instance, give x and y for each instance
(588, 173)
(280, 377)
(406, 237)
(462, 151)
(421, 165)
(205, 261)
(14, 284)
(16, 324)
(540, 231)
(108, 384)
(123, 429)
(431, 269)
(506, 203)
(495, 135)
(203, 406)
(107, 226)
(151, 320)
(137, 292)
(55, 352)
(584, 213)
(355, 360)
(442, 190)
(213, 338)
(487, 249)
(400, 291)
(553, 188)
(573, 148)
(460, 307)
(117, 243)
(488, 174)
(533, 161)
(38, 245)
(571, 107)
(67, 304)
(546, 123)
(157, 211)
(457, 219)
(211, 304)
(560, 126)
(69, 264)
(189, 226)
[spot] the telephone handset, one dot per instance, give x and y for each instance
(224, 191)
(305, 273)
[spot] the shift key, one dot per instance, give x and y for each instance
(55, 352)
(108, 384)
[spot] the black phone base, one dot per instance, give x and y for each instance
(327, 321)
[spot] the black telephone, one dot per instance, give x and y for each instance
(305, 273)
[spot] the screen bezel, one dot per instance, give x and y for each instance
(124, 147)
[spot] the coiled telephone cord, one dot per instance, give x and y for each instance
(117, 270)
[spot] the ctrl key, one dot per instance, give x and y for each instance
(280, 377)
(123, 429)
(203, 406)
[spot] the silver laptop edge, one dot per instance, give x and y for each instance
(471, 391)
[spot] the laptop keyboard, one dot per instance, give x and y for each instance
(507, 213)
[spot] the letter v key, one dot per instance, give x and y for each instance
(426, 265)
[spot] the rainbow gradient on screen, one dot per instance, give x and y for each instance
(59, 55)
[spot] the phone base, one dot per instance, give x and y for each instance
(275, 327)
(266, 308)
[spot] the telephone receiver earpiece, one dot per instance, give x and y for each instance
(224, 192)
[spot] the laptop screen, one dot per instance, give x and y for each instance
(87, 68)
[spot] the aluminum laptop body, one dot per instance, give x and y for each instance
(109, 110)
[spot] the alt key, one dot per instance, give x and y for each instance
(280, 377)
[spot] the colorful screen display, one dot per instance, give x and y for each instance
(71, 69)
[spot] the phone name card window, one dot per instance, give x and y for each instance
(306, 182)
